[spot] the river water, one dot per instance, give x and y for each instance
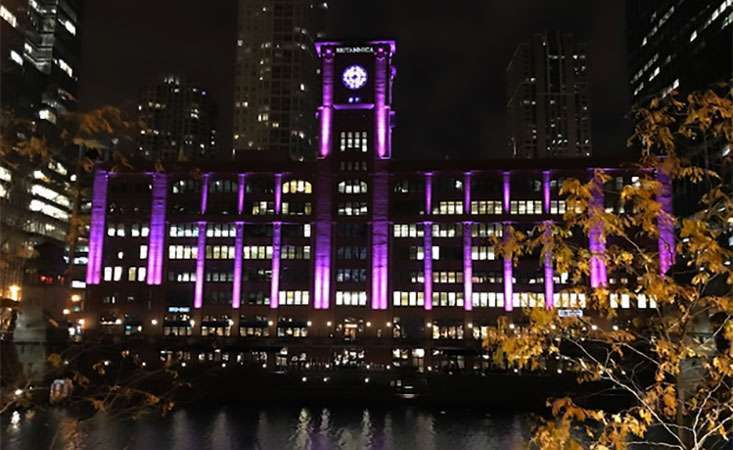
(275, 428)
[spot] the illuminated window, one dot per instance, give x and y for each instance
(447, 299)
(408, 298)
(482, 253)
(182, 252)
(352, 187)
(353, 140)
(487, 299)
(297, 187)
(257, 252)
(408, 230)
(448, 208)
(351, 298)
(481, 207)
(294, 297)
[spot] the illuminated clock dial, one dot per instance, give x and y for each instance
(354, 77)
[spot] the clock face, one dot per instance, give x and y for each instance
(354, 77)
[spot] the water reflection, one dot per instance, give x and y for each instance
(286, 428)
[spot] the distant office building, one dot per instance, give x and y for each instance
(682, 45)
(548, 98)
(178, 122)
(40, 52)
(276, 90)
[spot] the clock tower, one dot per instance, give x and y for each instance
(355, 127)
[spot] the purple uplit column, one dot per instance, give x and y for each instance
(428, 193)
(380, 237)
(428, 245)
(322, 277)
(156, 239)
(381, 108)
(237, 281)
(278, 192)
(326, 108)
(97, 227)
(596, 239)
(549, 270)
(428, 265)
(467, 268)
(204, 192)
(275, 284)
(198, 293)
(507, 256)
(241, 187)
(546, 191)
(508, 275)
(665, 223)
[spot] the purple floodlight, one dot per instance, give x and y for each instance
(428, 265)
(508, 273)
(322, 275)
(204, 192)
(241, 187)
(278, 192)
(467, 193)
(381, 109)
(596, 239)
(97, 227)
(467, 267)
(156, 239)
(665, 223)
(506, 189)
(275, 285)
(546, 191)
(326, 108)
(237, 282)
(549, 271)
(428, 193)
(198, 293)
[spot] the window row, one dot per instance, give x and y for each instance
(351, 298)
(352, 209)
(295, 252)
(352, 187)
(119, 230)
(351, 275)
(294, 297)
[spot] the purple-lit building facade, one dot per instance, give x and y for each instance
(352, 259)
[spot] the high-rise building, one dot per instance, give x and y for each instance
(548, 98)
(178, 122)
(678, 45)
(276, 90)
(40, 65)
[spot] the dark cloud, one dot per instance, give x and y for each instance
(450, 97)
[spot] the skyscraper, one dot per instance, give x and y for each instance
(178, 120)
(275, 82)
(548, 98)
(40, 64)
(684, 46)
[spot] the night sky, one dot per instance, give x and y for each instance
(451, 58)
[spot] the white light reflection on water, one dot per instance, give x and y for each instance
(276, 428)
